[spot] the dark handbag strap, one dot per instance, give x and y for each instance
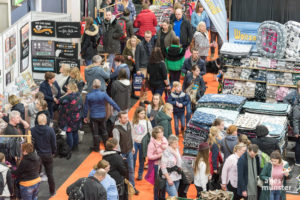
(227, 147)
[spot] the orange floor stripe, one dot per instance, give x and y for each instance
(145, 188)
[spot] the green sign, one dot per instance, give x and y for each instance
(18, 2)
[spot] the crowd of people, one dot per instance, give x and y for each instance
(158, 56)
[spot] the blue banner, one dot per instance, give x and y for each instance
(243, 33)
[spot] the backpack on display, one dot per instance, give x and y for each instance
(76, 193)
(122, 23)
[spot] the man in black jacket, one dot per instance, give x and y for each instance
(45, 144)
(194, 59)
(91, 186)
(264, 143)
(112, 32)
(143, 52)
(182, 28)
(247, 174)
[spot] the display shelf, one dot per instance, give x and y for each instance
(291, 86)
(265, 69)
(238, 79)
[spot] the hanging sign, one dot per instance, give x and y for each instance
(66, 50)
(216, 11)
(68, 29)
(43, 65)
(43, 28)
(71, 63)
(42, 48)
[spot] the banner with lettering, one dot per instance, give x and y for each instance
(243, 33)
(216, 11)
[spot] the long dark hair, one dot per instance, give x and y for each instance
(156, 56)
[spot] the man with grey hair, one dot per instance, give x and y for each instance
(90, 187)
(15, 121)
(45, 144)
(96, 71)
(95, 103)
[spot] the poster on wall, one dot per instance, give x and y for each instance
(24, 43)
(10, 59)
(42, 48)
(71, 63)
(43, 64)
(66, 50)
(43, 28)
(68, 29)
(9, 77)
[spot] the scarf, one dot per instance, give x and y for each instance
(176, 154)
(252, 174)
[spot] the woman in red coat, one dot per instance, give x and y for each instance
(145, 21)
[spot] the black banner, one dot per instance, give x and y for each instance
(24, 33)
(43, 65)
(43, 28)
(68, 29)
(72, 63)
(42, 48)
(66, 50)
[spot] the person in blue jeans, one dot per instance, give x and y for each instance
(123, 133)
(28, 173)
(141, 126)
(179, 100)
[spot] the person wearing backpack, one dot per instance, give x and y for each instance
(6, 182)
(88, 188)
(127, 26)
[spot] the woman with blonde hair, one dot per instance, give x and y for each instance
(63, 76)
(164, 117)
(75, 77)
(201, 168)
(71, 109)
(230, 140)
(229, 170)
(215, 154)
(242, 138)
(201, 40)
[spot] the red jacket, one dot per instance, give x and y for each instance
(145, 21)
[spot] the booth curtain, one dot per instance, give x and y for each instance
(262, 10)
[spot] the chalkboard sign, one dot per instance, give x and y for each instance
(66, 50)
(43, 28)
(71, 63)
(42, 48)
(43, 65)
(68, 29)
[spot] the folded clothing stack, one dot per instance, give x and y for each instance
(281, 93)
(271, 77)
(221, 101)
(260, 91)
(250, 89)
(245, 73)
(235, 49)
(239, 88)
(296, 78)
(233, 73)
(247, 121)
(271, 94)
(278, 109)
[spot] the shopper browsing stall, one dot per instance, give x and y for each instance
(164, 118)
(194, 59)
(229, 141)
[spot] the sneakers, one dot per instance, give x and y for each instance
(44, 178)
(139, 178)
(297, 164)
(136, 192)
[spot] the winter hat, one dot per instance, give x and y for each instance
(203, 146)
(261, 131)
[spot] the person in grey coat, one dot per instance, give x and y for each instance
(91, 186)
(201, 40)
(293, 98)
(95, 71)
(229, 141)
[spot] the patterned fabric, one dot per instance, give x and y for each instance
(293, 39)
(222, 101)
(271, 40)
(267, 108)
(235, 49)
(71, 112)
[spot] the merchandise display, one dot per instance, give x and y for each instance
(235, 49)
(293, 39)
(162, 12)
(222, 101)
(271, 39)
(267, 108)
